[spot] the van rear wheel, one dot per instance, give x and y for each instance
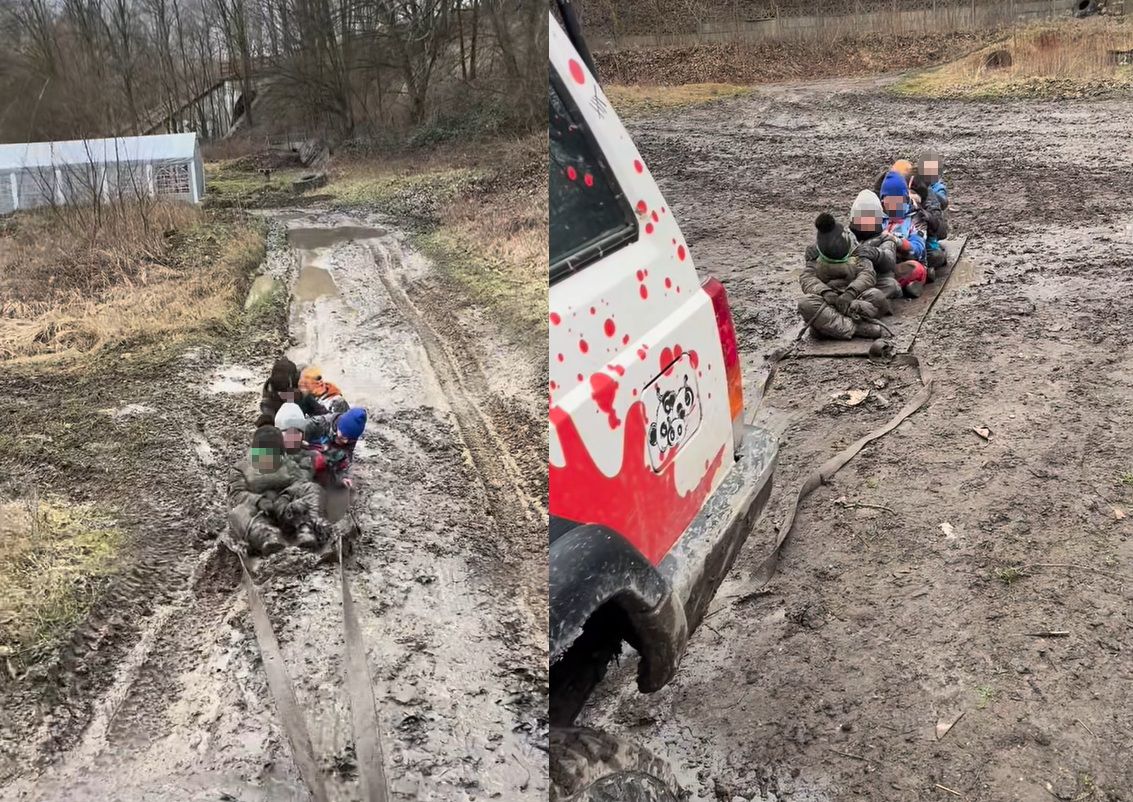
(592, 766)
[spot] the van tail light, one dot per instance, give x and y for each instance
(730, 347)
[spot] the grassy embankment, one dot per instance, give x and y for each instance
(479, 212)
(96, 309)
(1056, 60)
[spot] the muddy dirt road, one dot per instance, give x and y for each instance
(447, 573)
(887, 620)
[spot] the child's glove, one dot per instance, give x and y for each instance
(296, 510)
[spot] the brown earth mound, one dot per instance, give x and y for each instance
(738, 63)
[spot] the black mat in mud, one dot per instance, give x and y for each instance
(908, 313)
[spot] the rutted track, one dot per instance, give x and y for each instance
(451, 538)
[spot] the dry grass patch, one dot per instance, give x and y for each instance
(55, 561)
(1057, 59)
(639, 99)
(150, 271)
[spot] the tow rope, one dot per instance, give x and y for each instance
(363, 708)
(282, 691)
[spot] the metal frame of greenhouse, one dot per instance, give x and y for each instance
(88, 171)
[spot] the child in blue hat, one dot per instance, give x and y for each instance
(334, 438)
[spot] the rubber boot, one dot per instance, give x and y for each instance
(272, 544)
(914, 289)
(305, 537)
(868, 330)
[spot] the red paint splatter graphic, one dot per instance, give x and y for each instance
(644, 291)
(668, 283)
(618, 369)
(641, 354)
(609, 327)
(583, 346)
(625, 340)
(641, 207)
(556, 319)
(644, 507)
(593, 311)
(640, 275)
(588, 180)
(681, 252)
(576, 72)
(603, 389)
(656, 217)
(572, 173)
(561, 357)
(554, 385)
(637, 165)
(648, 228)
(669, 359)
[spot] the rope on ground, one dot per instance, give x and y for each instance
(826, 471)
(363, 708)
(283, 691)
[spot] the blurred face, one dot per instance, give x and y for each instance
(894, 204)
(930, 170)
(866, 223)
(292, 439)
(266, 459)
(288, 396)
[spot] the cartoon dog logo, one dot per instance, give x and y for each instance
(672, 423)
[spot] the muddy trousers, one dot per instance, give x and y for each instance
(826, 322)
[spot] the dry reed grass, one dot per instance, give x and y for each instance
(160, 270)
(1063, 56)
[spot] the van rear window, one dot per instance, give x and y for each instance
(589, 213)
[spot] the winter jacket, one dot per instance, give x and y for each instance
(271, 402)
(330, 459)
(909, 231)
(262, 503)
(932, 208)
(856, 277)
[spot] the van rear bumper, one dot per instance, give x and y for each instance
(702, 557)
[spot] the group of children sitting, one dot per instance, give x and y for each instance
(891, 249)
(303, 445)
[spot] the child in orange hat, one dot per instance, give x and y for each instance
(311, 381)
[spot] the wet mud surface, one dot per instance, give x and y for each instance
(444, 574)
(924, 582)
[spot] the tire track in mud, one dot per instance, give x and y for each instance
(515, 510)
(118, 675)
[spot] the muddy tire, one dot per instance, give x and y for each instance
(592, 766)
